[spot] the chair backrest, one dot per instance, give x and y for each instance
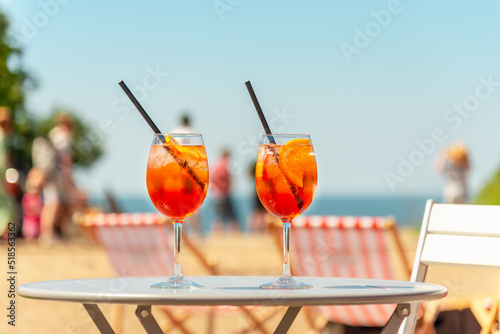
(137, 244)
(348, 246)
(455, 234)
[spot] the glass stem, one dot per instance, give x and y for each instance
(286, 248)
(177, 246)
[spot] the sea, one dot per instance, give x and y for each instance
(408, 210)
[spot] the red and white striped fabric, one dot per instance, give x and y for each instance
(138, 244)
(354, 247)
(343, 221)
(123, 219)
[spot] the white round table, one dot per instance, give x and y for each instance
(233, 290)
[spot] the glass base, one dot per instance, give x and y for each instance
(286, 283)
(177, 282)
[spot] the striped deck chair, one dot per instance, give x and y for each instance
(347, 246)
(140, 244)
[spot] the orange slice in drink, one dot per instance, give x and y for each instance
(173, 144)
(196, 162)
(188, 157)
(171, 140)
(187, 153)
(293, 160)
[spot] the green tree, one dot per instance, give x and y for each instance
(14, 84)
(490, 193)
(11, 80)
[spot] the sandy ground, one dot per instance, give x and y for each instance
(236, 255)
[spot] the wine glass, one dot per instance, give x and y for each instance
(177, 182)
(286, 178)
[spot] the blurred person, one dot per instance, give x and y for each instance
(220, 182)
(32, 204)
(185, 126)
(257, 218)
(6, 202)
(54, 157)
(453, 163)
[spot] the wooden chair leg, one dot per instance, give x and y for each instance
(258, 323)
(176, 322)
(117, 318)
(426, 322)
(211, 320)
(317, 322)
(485, 310)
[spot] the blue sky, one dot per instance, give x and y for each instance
(371, 112)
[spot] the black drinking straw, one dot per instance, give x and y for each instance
(139, 107)
(153, 126)
(291, 186)
(260, 112)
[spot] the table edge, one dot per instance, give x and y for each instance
(108, 298)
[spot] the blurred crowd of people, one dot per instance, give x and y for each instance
(43, 201)
(43, 198)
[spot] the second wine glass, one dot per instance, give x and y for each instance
(177, 181)
(286, 178)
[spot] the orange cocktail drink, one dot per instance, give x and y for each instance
(286, 178)
(176, 189)
(177, 182)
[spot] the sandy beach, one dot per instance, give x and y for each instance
(81, 258)
(236, 254)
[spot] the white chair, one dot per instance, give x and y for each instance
(455, 234)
